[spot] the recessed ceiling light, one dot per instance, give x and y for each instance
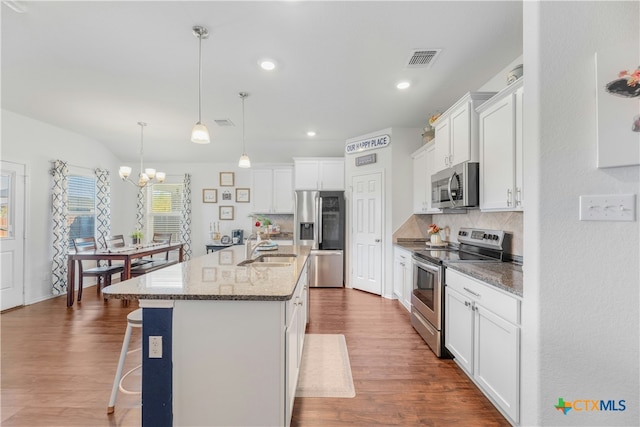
(311, 133)
(267, 64)
(403, 85)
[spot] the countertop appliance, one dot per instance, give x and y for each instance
(456, 187)
(237, 236)
(427, 299)
(319, 222)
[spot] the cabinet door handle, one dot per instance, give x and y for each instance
(467, 303)
(450, 159)
(471, 292)
(509, 194)
(518, 196)
(446, 160)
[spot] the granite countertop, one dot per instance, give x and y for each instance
(216, 276)
(503, 275)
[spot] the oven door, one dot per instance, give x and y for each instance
(427, 291)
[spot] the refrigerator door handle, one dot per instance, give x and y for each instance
(320, 221)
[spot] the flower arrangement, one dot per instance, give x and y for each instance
(137, 235)
(261, 220)
(633, 77)
(434, 229)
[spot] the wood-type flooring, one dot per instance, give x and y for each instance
(57, 367)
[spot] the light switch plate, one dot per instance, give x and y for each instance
(610, 207)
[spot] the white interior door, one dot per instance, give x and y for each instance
(367, 233)
(12, 235)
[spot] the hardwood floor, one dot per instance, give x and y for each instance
(58, 366)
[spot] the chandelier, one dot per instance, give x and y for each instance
(145, 174)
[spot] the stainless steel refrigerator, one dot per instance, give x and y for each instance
(319, 222)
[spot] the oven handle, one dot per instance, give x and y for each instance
(419, 263)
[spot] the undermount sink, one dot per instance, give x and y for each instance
(272, 260)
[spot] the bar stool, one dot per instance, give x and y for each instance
(134, 320)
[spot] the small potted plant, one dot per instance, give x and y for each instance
(434, 232)
(136, 236)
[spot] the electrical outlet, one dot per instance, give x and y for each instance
(155, 347)
(611, 207)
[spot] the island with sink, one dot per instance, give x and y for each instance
(231, 331)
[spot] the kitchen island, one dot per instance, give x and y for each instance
(231, 337)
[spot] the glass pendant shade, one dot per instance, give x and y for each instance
(200, 134)
(160, 176)
(124, 172)
(244, 161)
(151, 173)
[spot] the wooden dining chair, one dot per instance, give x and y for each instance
(102, 273)
(164, 238)
(117, 241)
(155, 264)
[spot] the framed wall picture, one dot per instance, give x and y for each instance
(226, 213)
(226, 196)
(243, 195)
(209, 195)
(226, 179)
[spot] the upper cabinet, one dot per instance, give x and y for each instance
(323, 173)
(457, 132)
(423, 168)
(501, 162)
(272, 190)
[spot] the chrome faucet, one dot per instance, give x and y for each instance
(249, 250)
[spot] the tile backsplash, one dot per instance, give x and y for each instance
(511, 222)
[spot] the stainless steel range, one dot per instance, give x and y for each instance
(427, 299)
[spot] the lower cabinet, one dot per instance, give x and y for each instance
(297, 318)
(482, 328)
(402, 276)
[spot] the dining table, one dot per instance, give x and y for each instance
(125, 254)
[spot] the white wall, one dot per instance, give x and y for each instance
(35, 144)
(582, 279)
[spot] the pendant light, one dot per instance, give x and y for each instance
(244, 161)
(200, 133)
(145, 174)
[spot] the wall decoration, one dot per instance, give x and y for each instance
(617, 109)
(209, 195)
(226, 179)
(226, 213)
(243, 195)
(226, 195)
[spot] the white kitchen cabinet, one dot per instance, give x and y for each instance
(319, 173)
(501, 162)
(402, 276)
(482, 327)
(272, 190)
(294, 339)
(423, 168)
(457, 132)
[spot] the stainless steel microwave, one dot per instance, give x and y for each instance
(456, 187)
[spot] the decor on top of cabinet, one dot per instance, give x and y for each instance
(514, 74)
(434, 233)
(429, 131)
(617, 106)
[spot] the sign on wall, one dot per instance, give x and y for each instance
(374, 143)
(367, 159)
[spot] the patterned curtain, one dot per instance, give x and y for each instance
(185, 218)
(140, 209)
(103, 206)
(60, 172)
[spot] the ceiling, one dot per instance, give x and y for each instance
(97, 68)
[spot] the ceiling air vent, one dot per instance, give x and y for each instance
(422, 58)
(224, 122)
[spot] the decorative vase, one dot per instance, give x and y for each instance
(436, 239)
(136, 241)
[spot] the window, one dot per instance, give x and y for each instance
(165, 210)
(82, 207)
